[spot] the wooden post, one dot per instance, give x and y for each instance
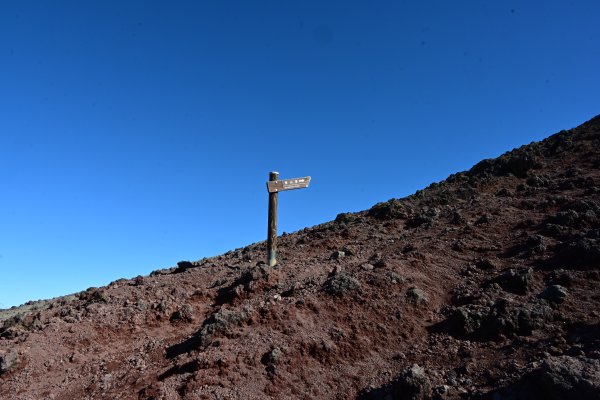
(272, 232)
(274, 186)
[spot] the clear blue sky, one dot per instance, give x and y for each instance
(137, 134)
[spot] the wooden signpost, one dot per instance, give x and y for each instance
(274, 186)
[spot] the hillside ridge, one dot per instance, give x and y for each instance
(484, 285)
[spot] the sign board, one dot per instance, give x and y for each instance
(288, 184)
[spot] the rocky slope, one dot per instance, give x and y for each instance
(483, 286)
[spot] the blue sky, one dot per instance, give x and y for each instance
(137, 134)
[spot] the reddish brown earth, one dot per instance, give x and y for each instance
(485, 285)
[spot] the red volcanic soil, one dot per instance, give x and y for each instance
(483, 286)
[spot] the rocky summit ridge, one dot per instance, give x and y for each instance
(483, 286)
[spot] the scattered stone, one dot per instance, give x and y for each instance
(222, 322)
(162, 306)
(503, 317)
(424, 217)
(577, 214)
(593, 275)
(566, 377)
(555, 293)
(341, 284)
(504, 192)
(416, 296)
(253, 280)
(560, 277)
(408, 248)
(592, 190)
(137, 281)
(516, 281)
(536, 244)
(336, 269)
(582, 252)
(272, 357)
(337, 255)
(367, 267)
(219, 282)
(93, 295)
(184, 313)
(566, 185)
(141, 305)
(441, 391)
(349, 251)
(9, 362)
(567, 218)
(459, 245)
(573, 171)
(164, 271)
(516, 163)
(484, 219)
(485, 264)
(554, 230)
(451, 377)
(12, 332)
(183, 266)
(413, 384)
(391, 209)
(395, 278)
(457, 219)
(346, 218)
(538, 181)
(584, 207)
(519, 164)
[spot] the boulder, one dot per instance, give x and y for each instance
(413, 384)
(424, 217)
(184, 313)
(581, 252)
(555, 293)
(183, 266)
(503, 317)
(391, 209)
(341, 284)
(516, 281)
(416, 296)
(566, 377)
(9, 362)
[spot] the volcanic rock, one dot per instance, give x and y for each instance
(416, 296)
(341, 284)
(9, 362)
(516, 280)
(555, 293)
(566, 377)
(413, 384)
